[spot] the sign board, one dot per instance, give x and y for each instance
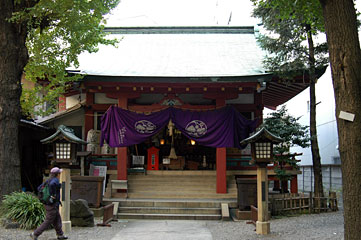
(138, 160)
(100, 171)
(166, 160)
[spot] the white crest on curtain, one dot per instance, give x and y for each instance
(145, 126)
(196, 128)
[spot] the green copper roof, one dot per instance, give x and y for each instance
(63, 132)
(261, 134)
(176, 52)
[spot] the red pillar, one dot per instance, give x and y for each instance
(221, 160)
(62, 103)
(294, 185)
(221, 171)
(122, 157)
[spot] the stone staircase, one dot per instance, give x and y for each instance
(179, 185)
(171, 209)
(174, 195)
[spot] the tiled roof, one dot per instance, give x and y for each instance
(177, 52)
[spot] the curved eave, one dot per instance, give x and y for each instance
(262, 133)
(279, 91)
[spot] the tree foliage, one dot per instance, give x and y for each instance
(306, 11)
(58, 31)
(40, 39)
(288, 128)
(291, 24)
(287, 30)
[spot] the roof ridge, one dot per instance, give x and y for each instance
(181, 30)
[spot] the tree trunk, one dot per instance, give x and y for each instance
(345, 57)
(316, 158)
(13, 57)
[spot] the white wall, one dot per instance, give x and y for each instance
(73, 100)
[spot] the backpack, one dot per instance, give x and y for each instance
(44, 193)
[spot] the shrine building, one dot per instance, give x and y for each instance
(176, 75)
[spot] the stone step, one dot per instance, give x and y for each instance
(177, 190)
(176, 180)
(174, 176)
(183, 181)
(169, 210)
(180, 195)
(171, 203)
(183, 173)
(176, 185)
(170, 216)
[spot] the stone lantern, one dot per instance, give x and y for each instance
(64, 150)
(262, 154)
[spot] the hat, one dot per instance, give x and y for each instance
(56, 170)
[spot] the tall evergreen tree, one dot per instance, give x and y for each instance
(289, 56)
(40, 38)
(287, 127)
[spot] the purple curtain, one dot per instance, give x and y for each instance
(224, 127)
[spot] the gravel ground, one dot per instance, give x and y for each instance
(315, 226)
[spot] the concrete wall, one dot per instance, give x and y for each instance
(331, 177)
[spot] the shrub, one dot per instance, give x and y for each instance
(23, 208)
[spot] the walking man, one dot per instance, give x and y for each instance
(52, 208)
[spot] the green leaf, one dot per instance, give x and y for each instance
(23, 208)
(58, 31)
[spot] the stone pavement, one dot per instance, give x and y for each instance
(175, 230)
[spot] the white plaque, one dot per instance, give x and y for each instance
(347, 116)
(166, 160)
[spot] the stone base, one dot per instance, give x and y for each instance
(243, 215)
(98, 212)
(263, 227)
(66, 226)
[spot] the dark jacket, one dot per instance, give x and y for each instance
(54, 189)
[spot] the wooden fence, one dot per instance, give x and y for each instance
(291, 203)
(107, 216)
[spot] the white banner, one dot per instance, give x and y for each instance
(100, 171)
